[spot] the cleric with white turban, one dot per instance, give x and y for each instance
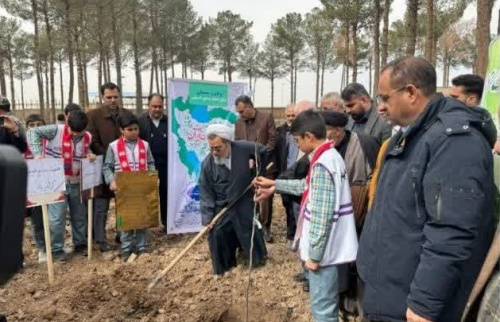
(221, 130)
(225, 174)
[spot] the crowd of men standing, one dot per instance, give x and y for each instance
(419, 171)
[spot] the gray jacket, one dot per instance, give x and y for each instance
(375, 126)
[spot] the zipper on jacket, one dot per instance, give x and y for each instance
(438, 201)
(417, 206)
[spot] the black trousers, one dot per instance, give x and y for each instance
(162, 176)
(291, 224)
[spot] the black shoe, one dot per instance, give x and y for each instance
(300, 277)
(103, 247)
(268, 237)
(60, 256)
(80, 249)
(125, 256)
(305, 287)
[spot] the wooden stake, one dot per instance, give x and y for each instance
(48, 246)
(90, 213)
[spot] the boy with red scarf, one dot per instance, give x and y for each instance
(69, 142)
(325, 230)
(128, 153)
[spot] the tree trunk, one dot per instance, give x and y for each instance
(108, 67)
(22, 89)
(385, 34)
(484, 8)
(116, 46)
(376, 48)
(291, 79)
(318, 68)
(354, 52)
(347, 44)
(11, 73)
(69, 49)
(323, 67)
(137, 67)
(47, 93)
(342, 84)
(100, 42)
(370, 78)
(203, 74)
(151, 78)
(229, 71)
(85, 85)
(61, 84)
(429, 35)
(295, 73)
(48, 30)
(411, 26)
(38, 61)
(3, 85)
(79, 68)
(272, 94)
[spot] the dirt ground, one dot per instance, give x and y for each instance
(106, 289)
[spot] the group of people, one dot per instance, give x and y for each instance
(389, 202)
(109, 130)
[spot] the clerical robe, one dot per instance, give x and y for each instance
(219, 186)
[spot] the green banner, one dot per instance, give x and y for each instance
(491, 93)
(208, 94)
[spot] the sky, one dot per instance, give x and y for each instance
(263, 13)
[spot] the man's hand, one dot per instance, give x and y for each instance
(496, 148)
(10, 124)
(412, 317)
(312, 265)
(263, 182)
(263, 193)
(91, 157)
(112, 186)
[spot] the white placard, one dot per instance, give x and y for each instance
(91, 173)
(46, 176)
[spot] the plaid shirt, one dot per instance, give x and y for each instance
(35, 136)
(321, 205)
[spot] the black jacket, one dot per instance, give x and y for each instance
(428, 231)
(281, 151)
(18, 142)
(157, 137)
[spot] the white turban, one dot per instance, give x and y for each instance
(221, 130)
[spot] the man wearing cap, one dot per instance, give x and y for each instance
(11, 131)
(225, 174)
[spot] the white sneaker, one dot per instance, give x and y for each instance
(42, 257)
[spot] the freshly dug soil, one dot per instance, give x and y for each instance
(106, 289)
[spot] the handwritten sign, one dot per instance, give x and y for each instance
(137, 200)
(46, 176)
(46, 181)
(91, 173)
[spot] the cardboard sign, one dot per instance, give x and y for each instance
(46, 182)
(91, 173)
(137, 200)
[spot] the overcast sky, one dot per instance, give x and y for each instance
(263, 13)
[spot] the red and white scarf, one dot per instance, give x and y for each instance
(319, 151)
(122, 155)
(68, 150)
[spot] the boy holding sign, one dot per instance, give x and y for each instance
(69, 142)
(128, 153)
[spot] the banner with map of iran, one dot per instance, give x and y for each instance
(193, 105)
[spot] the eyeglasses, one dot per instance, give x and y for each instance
(385, 98)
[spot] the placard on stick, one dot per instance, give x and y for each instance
(91, 173)
(46, 182)
(137, 200)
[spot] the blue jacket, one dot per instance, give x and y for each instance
(427, 234)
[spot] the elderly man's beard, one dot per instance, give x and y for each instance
(219, 160)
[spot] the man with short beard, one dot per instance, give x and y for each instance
(364, 116)
(225, 174)
(104, 128)
(153, 128)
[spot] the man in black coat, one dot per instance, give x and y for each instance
(153, 128)
(430, 225)
(287, 152)
(11, 131)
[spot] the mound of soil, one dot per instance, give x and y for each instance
(106, 289)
